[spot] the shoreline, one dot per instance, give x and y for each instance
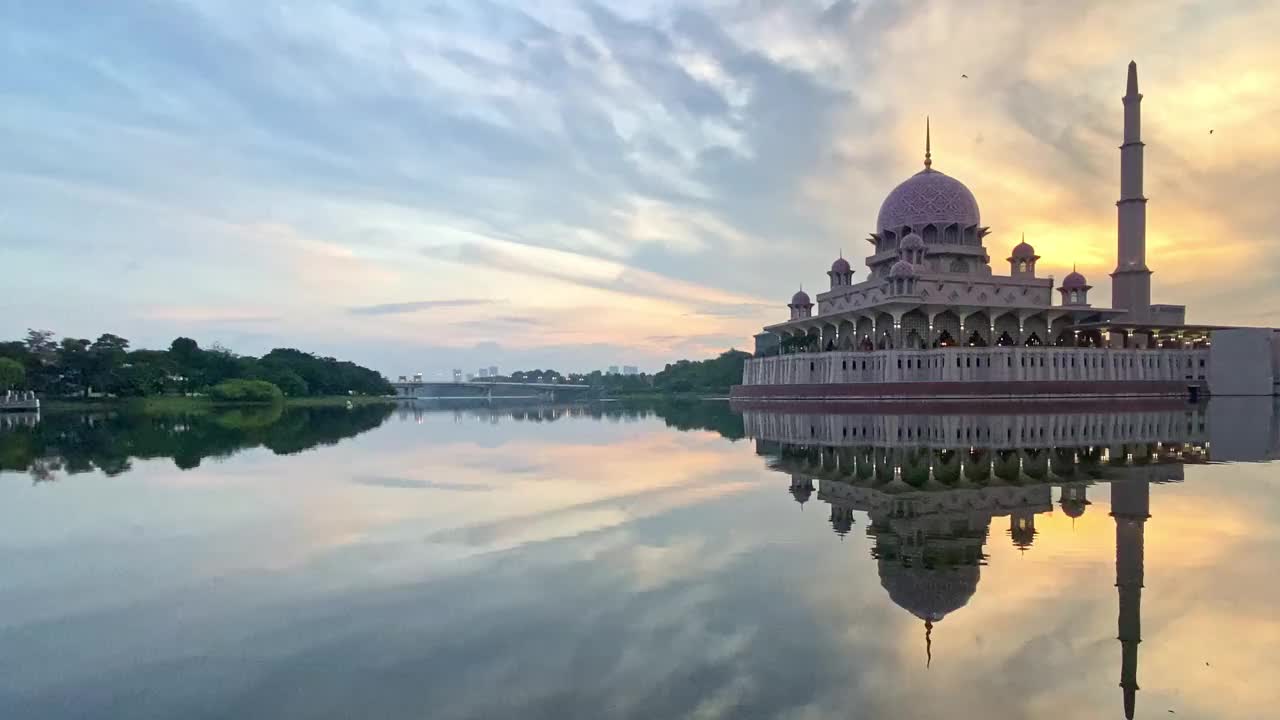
(174, 404)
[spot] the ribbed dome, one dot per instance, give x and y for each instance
(841, 266)
(929, 594)
(912, 242)
(1074, 281)
(902, 269)
(800, 298)
(1023, 250)
(928, 197)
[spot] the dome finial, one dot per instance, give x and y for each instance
(928, 161)
(928, 644)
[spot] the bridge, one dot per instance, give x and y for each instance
(486, 390)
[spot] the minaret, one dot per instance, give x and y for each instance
(1130, 506)
(1131, 281)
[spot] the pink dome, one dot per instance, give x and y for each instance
(841, 266)
(800, 298)
(912, 242)
(1024, 251)
(902, 269)
(928, 197)
(1074, 281)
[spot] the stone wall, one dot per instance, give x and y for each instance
(1244, 362)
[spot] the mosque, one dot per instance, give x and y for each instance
(932, 317)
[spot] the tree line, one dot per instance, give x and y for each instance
(77, 367)
(711, 376)
(65, 443)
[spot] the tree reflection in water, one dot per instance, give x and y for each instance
(109, 442)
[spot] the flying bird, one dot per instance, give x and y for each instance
(963, 75)
(1211, 131)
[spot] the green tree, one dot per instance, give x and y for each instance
(12, 374)
(107, 356)
(41, 344)
(184, 350)
(246, 391)
(290, 383)
(76, 365)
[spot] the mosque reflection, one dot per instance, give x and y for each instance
(931, 485)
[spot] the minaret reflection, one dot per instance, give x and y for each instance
(1130, 506)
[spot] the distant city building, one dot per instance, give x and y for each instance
(493, 371)
(457, 375)
(482, 372)
(630, 370)
(470, 377)
(417, 377)
(613, 370)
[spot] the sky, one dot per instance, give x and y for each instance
(463, 183)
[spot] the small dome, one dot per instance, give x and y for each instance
(841, 266)
(1073, 508)
(800, 298)
(1074, 281)
(1024, 251)
(928, 197)
(902, 269)
(912, 242)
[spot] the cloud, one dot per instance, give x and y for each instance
(419, 306)
(615, 171)
(401, 483)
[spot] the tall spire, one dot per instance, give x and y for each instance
(1131, 280)
(928, 161)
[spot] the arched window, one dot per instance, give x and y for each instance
(1075, 296)
(958, 266)
(1022, 266)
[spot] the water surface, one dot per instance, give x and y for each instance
(642, 561)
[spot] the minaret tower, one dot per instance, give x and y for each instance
(1130, 506)
(1131, 281)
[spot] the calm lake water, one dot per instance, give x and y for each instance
(642, 561)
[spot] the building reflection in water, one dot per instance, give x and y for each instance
(931, 484)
